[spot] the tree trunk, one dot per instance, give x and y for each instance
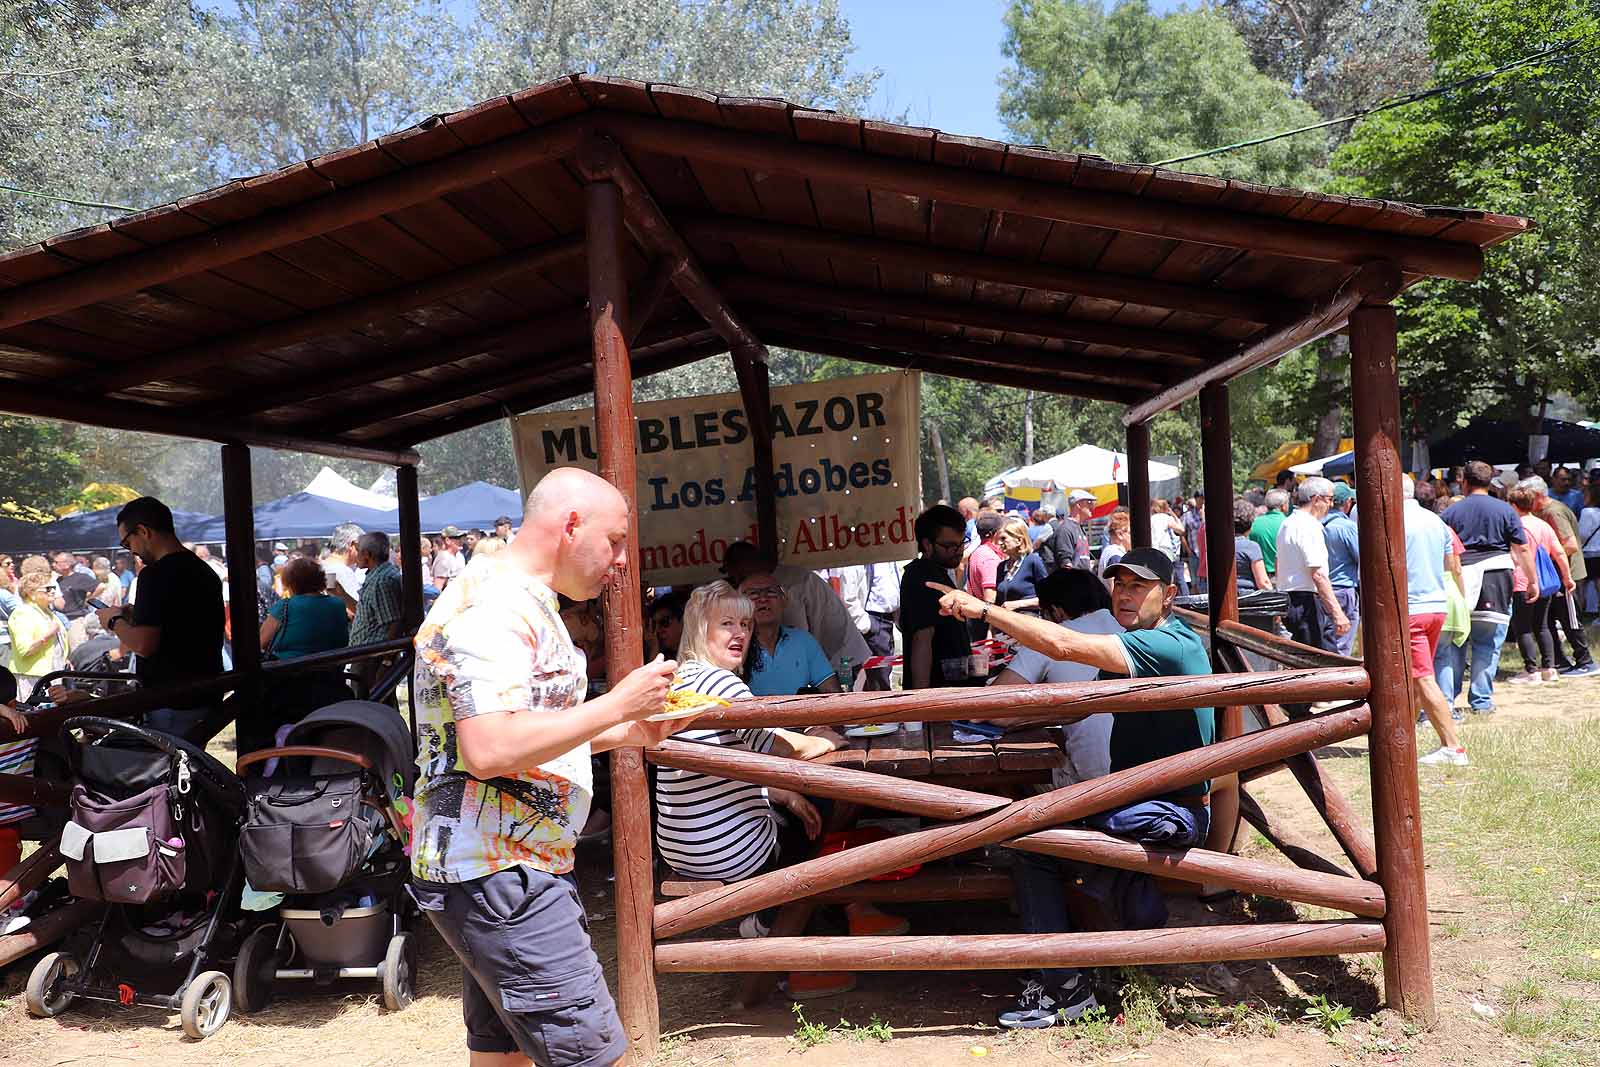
(1330, 377)
(938, 459)
(1027, 430)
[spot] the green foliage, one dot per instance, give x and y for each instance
(1522, 144)
(808, 1034)
(41, 468)
(795, 49)
(1329, 1015)
(1137, 87)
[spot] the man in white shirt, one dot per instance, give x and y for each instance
(883, 610)
(344, 575)
(447, 561)
(1303, 566)
(809, 605)
(850, 583)
(1078, 601)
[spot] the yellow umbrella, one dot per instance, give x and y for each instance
(1288, 454)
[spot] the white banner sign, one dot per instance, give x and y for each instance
(845, 456)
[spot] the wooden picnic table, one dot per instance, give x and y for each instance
(933, 752)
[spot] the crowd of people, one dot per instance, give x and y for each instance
(514, 628)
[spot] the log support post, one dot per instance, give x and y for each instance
(630, 798)
(750, 361)
(1139, 483)
(1222, 590)
(239, 528)
(1397, 818)
(405, 487)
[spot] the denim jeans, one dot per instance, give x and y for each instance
(1041, 895)
(1451, 671)
(1486, 640)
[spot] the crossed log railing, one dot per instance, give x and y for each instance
(974, 820)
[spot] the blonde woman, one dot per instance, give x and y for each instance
(712, 828)
(1020, 571)
(38, 640)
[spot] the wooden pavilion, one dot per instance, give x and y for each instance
(590, 230)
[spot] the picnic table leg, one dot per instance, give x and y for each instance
(793, 918)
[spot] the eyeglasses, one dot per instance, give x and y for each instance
(124, 540)
(949, 546)
(764, 594)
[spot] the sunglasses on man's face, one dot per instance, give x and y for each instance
(766, 593)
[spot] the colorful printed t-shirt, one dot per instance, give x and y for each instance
(494, 643)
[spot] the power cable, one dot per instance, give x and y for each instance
(1394, 102)
(66, 199)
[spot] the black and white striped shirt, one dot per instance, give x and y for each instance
(709, 827)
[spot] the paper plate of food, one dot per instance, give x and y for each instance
(872, 729)
(685, 703)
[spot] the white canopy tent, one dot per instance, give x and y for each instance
(328, 483)
(1346, 462)
(1083, 467)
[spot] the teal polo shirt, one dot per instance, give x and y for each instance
(1168, 650)
(796, 662)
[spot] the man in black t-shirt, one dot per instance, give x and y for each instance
(75, 587)
(1495, 545)
(937, 651)
(1068, 545)
(175, 626)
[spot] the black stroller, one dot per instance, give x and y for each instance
(151, 833)
(327, 828)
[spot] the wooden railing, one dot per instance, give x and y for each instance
(975, 820)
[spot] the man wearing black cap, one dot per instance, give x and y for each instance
(502, 528)
(1154, 645)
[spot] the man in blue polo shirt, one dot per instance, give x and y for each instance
(1154, 645)
(783, 660)
(1344, 567)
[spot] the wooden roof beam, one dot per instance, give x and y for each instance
(575, 382)
(387, 303)
(1040, 277)
(1165, 346)
(599, 159)
(46, 403)
(1216, 226)
(1001, 357)
(358, 373)
(890, 356)
(1373, 283)
(529, 369)
(228, 243)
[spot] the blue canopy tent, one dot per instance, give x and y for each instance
(97, 529)
(474, 504)
(306, 515)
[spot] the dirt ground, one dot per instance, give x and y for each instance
(1243, 1015)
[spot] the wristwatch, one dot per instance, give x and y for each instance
(111, 623)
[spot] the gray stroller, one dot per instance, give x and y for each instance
(328, 829)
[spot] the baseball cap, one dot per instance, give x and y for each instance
(504, 520)
(450, 531)
(1147, 563)
(280, 547)
(1079, 494)
(1342, 493)
(1049, 512)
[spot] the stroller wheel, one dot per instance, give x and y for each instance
(398, 972)
(46, 999)
(255, 971)
(206, 1004)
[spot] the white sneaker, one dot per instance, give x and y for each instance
(1526, 678)
(752, 926)
(1446, 756)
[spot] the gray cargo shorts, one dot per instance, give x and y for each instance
(530, 981)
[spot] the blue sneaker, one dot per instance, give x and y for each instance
(1457, 715)
(1588, 670)
(1038, 1007)
(1487, 709)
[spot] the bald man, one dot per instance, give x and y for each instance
(504, 740)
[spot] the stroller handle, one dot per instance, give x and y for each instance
(314, 751)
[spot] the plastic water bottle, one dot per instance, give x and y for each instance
(845, 674)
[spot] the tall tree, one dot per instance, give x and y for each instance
(794, 49)
(1139, 87)
(1522, 144)
(41, 470)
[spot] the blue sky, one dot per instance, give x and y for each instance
(940, 59)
